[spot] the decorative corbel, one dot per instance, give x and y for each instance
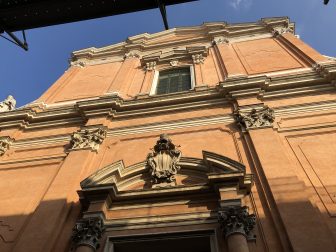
(255, 118)
(87, 232)
(87, 139)
(5, 142)
(276, 31)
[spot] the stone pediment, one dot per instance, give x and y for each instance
(194, 171)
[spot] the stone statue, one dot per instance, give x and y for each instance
(163, 161)
(8, 104)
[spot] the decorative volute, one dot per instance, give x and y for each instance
(87, 139)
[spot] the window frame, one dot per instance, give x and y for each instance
(156, 79)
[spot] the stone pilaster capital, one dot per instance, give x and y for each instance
(132, 54)
(87, 232)
(5, 142)
(236, 220)
(220, 40)
(198, 58)
(88, 139)
(150, 66)
(255, 118)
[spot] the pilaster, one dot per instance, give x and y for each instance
(55, 206)
(237, 225)
(293, 213)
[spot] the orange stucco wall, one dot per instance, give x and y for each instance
(293, 162)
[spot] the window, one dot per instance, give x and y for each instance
(173, 80)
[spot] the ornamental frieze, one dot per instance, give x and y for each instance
(198, 58)
(87, 232)
(255, 118)
(87, 139)
(237, 220)
(5, 142)
(8, 104)
(163, 162)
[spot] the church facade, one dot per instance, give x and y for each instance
(214, 138)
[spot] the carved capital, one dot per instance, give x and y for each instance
(5, 142)
(236, 220)
(8, 104)
(87, 139)
(150, 66)
(78, 63)
(220, 40)
(255, 118)
(162, 162)
(280, 30)
(87, 232)
(198, 58)
(131, 54)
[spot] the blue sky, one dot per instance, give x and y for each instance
(26, 75)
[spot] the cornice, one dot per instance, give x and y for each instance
(146, 44)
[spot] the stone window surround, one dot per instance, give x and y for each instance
(157, 72)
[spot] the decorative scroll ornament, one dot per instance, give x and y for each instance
(237, 220)
(87, 139)
(255, 118)
(8, 104)
(198, 58)
(87, 232)
(150, 66)
(174, 63)
(78, 63)
(163, 161)
(5, 142)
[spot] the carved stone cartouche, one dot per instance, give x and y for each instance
(87, 232)
(87, 139)
(8, 104)
(163, 161)
(237, 220)
(255, 118)
(4, 144)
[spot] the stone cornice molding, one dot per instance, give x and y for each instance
(205, 33)
(237, 220)
(5, 142)
(194, 54)
(111, 105)
(87, 232)
(255, 118)
(212, 170)
(88, 138)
